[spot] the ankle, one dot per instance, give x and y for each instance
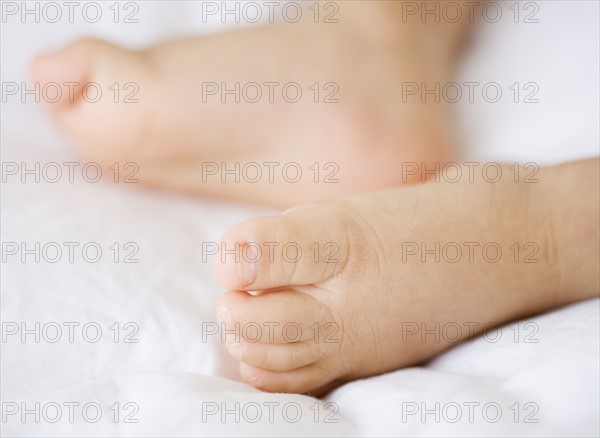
(568, 199)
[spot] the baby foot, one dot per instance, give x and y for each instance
(344, 284)
(159, 109)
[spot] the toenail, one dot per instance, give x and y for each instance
(224, 316)
(237, 350)
(256, 382)
(247, 264)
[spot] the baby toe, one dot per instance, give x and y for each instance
(311, 378)
(277, 357)
(274, 317)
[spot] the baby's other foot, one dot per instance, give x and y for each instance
(155, 109)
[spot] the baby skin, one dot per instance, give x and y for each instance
(341, 310)
(165, 107)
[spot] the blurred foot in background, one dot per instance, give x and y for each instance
(277, 114)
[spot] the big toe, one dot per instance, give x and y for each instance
(59, 78)
(102, 102)
(63, 74)
(305, 245)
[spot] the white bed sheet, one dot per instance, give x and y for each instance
(172, 376)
